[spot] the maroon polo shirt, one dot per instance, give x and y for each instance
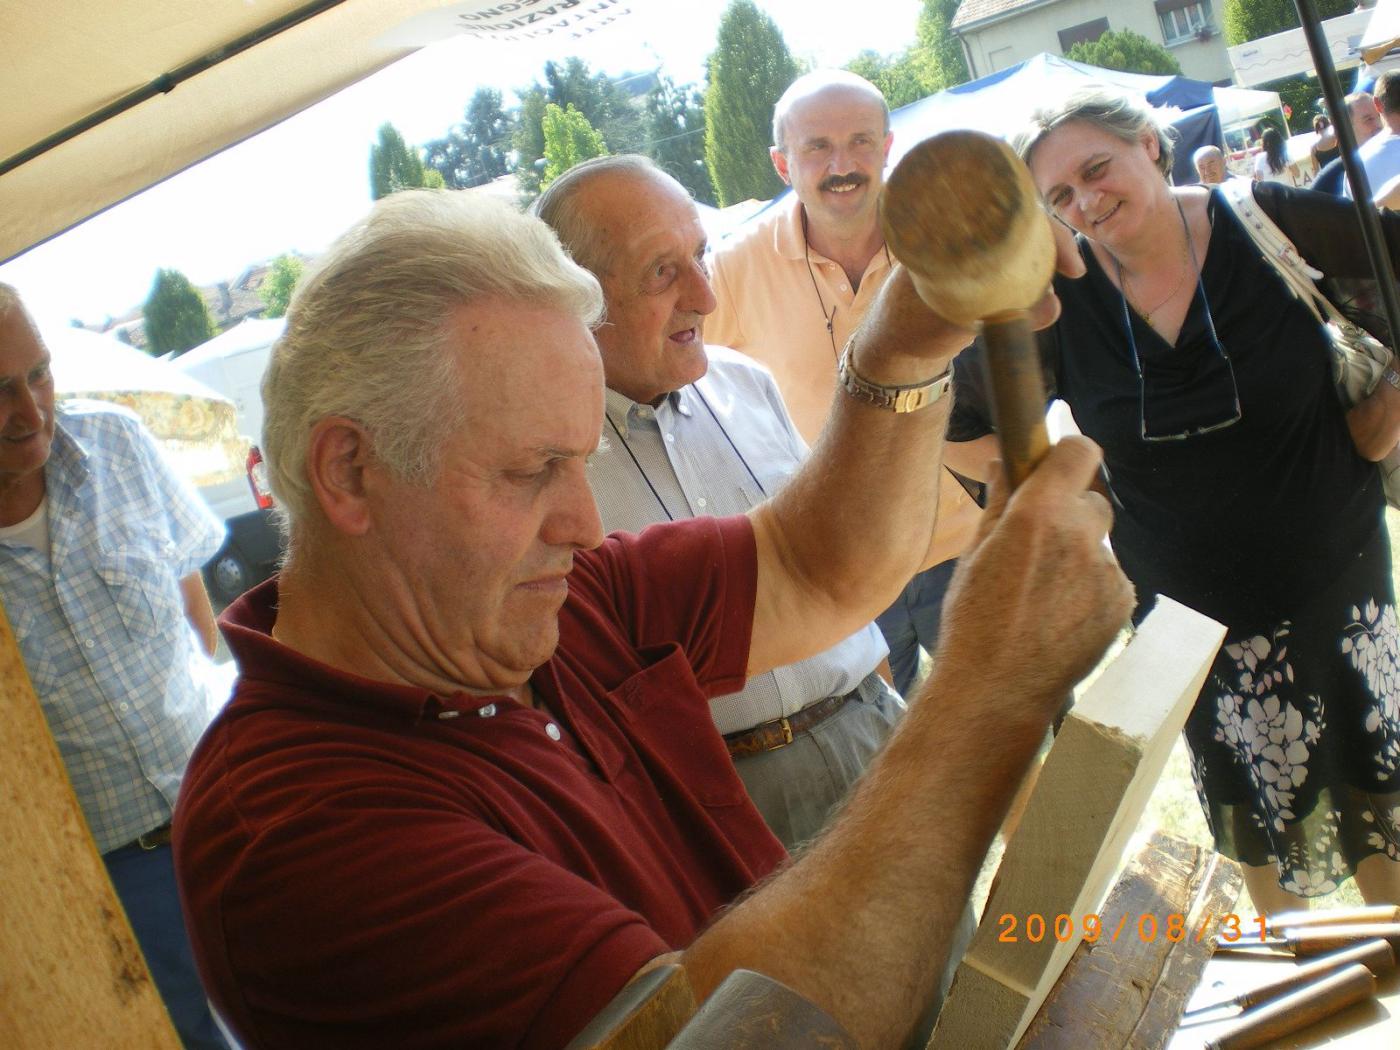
(372, 865)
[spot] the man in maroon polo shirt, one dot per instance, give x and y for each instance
(468, 785)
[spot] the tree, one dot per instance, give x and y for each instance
(1127, 51)
(606, 106)
(475, 151)
(568, 140)
(1250, 19)
(676, 136)
(938, 56)
(176, 316)
(897, 76)
(394, 165)
(749, 69)
(276, 289)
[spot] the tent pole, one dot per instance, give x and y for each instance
(1365, 210)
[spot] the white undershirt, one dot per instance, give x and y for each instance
(33, 531)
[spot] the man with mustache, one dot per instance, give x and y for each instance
(792, 285)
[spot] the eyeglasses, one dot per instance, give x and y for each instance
(1176, 402)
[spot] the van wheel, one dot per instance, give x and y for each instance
(228, 575)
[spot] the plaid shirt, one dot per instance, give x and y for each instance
(103, 632)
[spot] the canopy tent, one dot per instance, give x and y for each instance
(104, 98)
(1002, 102)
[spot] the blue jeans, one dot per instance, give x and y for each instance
(912, 622)
(145, 883)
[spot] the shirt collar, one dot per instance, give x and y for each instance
(247, 627)
(68, 459)
(621, 410)
(790, 242)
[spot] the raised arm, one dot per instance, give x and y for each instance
(862, 922)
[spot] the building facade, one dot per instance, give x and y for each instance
(996, 34)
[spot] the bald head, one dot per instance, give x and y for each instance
(1210, 165)
(811, 90)
(1365, 117)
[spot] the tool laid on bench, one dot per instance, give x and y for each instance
(1293, 1012)
(1376, 955)
(1318, 940)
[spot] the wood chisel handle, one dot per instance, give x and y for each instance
(1017, 388)
(1304, 920)
(1323, 939)
(1377, 956)
(1294, 1012)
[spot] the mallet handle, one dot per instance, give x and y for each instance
(1017, 389)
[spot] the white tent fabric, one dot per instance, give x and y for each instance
(161, 86)
(1004, 106)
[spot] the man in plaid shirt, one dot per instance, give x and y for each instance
(100, 549)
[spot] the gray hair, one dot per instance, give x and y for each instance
(1206, 151)
(9, 299)
(367, 331)
(556, 207)
(818, 80)
(1117, 114)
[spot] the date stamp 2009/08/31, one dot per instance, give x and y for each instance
(1147, 926)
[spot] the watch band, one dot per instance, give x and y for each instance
(907, 398)
(1391, 376)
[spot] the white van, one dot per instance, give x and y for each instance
(233, 364)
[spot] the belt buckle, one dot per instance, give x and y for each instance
(786, 727)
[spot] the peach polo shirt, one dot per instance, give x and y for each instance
(770, 307)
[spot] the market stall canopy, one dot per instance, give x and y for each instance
(196, 427)
(1382, 32)
(104, 98)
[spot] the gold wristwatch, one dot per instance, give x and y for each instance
(908, 398)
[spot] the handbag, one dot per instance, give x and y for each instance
(1359, 360)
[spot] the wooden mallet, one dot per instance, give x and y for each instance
(960, 212)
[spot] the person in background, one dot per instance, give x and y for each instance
(1325, 148)
(1365, 120)
(695, 429)
(1210, 165)
(793, 284)
(1271, 165)
(100, 551)
(1247, 491)
(1380, 156)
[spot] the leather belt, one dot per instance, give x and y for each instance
(770, 736)
(153, 839)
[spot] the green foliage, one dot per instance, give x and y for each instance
(394, 166)
(568, 140)
(475, 151)
(749, 70)
(1299, 93)
(1250, 19)
(607, 107)
(897, 76)
(676, 136)
(176, 316)
(1127, 51)
(276, 289)
(938, 55)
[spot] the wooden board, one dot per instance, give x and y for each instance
(1090, 795)
(1129, 993)
(646, 1014)
(71, 974)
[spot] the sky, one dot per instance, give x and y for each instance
(299, 184)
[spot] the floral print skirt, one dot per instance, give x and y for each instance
(1295, 738)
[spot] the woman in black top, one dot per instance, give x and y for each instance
(1247, 492)
(1326, 149)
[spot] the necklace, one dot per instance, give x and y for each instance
(829, 318)
(1188, 263)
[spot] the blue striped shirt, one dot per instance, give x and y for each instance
(101, 621)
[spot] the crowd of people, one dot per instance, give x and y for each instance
(599, 537)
